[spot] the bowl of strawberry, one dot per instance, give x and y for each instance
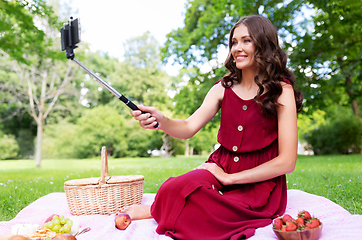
(303, 227)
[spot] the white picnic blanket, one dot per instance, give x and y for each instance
(338, 223)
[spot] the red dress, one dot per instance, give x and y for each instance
(196, 206)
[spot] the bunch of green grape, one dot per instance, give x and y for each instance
(59, 224)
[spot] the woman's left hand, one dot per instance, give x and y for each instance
(218, 173)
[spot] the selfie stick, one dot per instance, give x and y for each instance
(70, 55)
(107, 86)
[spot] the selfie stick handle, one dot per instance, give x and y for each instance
(109, 88)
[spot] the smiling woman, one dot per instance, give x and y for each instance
(242, 184)
(243, 49)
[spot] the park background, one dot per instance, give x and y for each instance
(54, 118)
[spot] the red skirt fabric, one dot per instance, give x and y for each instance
(196, 206)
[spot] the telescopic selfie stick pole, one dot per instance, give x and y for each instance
(107, 86)
(68, 44)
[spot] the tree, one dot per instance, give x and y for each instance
(9, 147)
(141, 83)
(149, 84)
(322, 38)
(36, 78)
(140, 143)
(139, 77)
(206, 31)
(208, 23)
(327, 57)
(142, 52)
(340, 134)
(37, 88)
(20, 31)
(103, 65)
(59, 140)
(97, 127)
(203, 141)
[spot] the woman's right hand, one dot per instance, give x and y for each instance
(149, 118)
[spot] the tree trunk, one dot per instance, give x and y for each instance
(187, 148)
(40, 119)
(351, 94)
(167, 145)
(47, 77)
(38, 147)
(355, 108)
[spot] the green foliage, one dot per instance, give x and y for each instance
(326, 62)
(206, 31)
(19, 32)
(141, 78)
(190, 97)
(204, 141)
(143, 85)
(37, 90)
(22, 127)
(59, 139)
(97, 127)
(208, 24)
(142, 52)
(25, 139)
(308, 123)
(103, 65)
(340, 134)
(139, 143)
(195, 91)
(8, 147)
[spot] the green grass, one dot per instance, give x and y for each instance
(338, 178)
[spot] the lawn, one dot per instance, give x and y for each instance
(338, 178)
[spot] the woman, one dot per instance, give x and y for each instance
(242, 186)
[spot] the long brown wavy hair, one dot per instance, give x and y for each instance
(271, 61)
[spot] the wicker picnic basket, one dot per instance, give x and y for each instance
(104, 195)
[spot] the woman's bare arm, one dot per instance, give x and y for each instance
(183, 128)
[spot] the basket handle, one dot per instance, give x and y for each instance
(104, 166)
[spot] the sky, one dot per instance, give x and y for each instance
(107, 24)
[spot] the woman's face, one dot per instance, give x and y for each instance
(243, 48)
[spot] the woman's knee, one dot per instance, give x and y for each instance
(198, 176)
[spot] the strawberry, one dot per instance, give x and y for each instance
(304, 214)
(291, 226)
(313, 223)
(284, 228)
(287, 218)
(299, 222)
(278, 223)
